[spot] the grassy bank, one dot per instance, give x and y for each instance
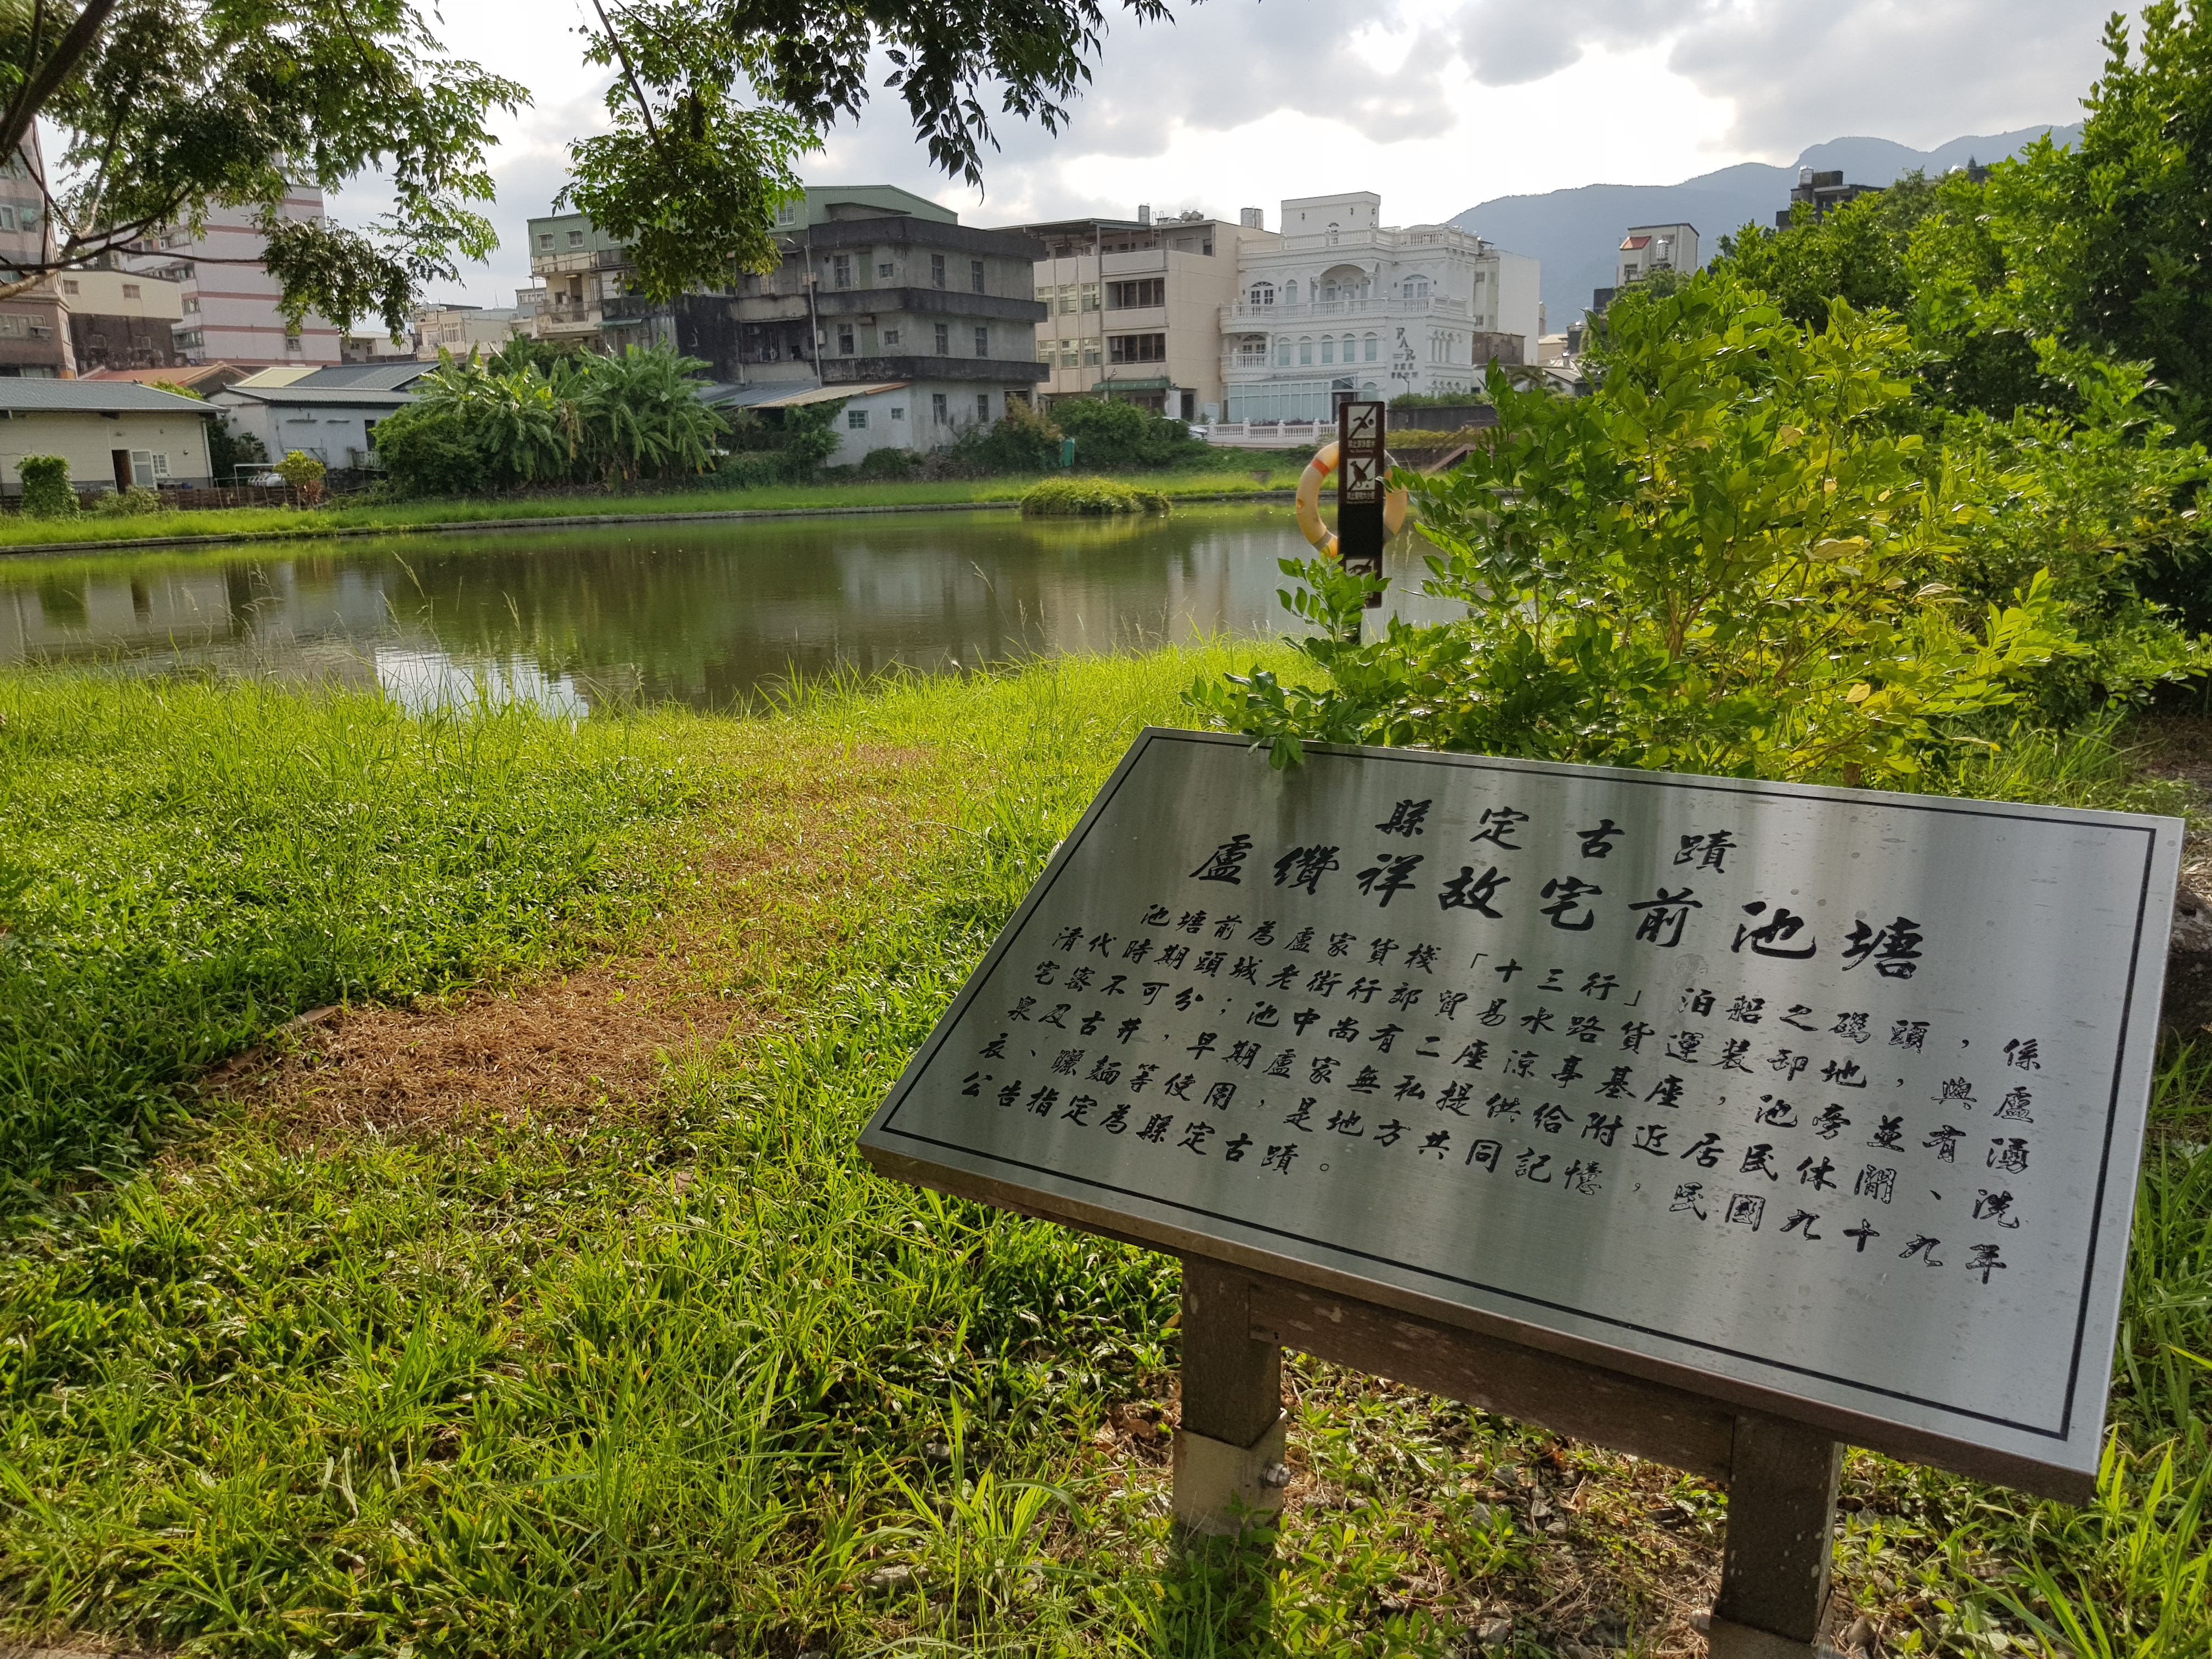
(18, 532)
(672, 1373)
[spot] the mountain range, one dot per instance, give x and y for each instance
(1577, 233)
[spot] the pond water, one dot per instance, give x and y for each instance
(705, 614)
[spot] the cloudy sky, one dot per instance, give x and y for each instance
(1437, 104)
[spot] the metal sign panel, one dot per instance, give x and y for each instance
(1362, 431)
(1830, 1097)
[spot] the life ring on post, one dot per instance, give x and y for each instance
(1395, 504)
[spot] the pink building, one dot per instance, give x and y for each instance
(230, 301)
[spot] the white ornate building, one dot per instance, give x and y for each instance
(1343, 303)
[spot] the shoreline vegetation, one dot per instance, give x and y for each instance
(20, 536)
(435, 1223)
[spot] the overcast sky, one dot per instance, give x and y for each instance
(1437, 104)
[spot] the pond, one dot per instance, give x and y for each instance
(707, 614)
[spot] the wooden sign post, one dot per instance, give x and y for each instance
(1723, 1122)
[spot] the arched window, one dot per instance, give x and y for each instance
(1328, 348)
(1370, 347)
(1262, 293)
(1290, 292)
(1283, 351)
(1305, 350)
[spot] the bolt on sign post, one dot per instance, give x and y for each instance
(1363, 467)
(1723, 1122)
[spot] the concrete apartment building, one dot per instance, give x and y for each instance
(231, 304)
(1136, 307)
(1648, 248)
(1342, 305)
(927, 325)
(459, 327)
(33, 327)
(122, 319)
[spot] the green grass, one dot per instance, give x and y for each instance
(695, 1381)
(16, 531)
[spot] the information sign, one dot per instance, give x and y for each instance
(1363, 468)
(1828, 1100)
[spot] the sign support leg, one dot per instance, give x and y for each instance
(1774, 1567)
(1229, 1469)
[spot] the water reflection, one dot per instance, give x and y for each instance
(703, 614)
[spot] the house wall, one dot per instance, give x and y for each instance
(336, 434)
(88, 442)
(909, 418)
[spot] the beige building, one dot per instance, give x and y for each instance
(1136, 307)
(113, 434)
(122, 319)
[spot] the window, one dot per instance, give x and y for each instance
(1628, 273)
(943, 339)
(1136, 348)
(70, 287)
(1282, 352)
(937, 270)
(1090, 296)
(975, 275)
(1289, 293)
(368, 435)
(1370, 344)
(883, 267)
(129, 290)
(937, 407)
(840, 271)
(983, 406)
(1091, 354)
(856, 420)
(161, 464)
(575, 238)
(1328, 348)
(1261, 293)
(983, 341)
(7, 217)
(898, 412)
(1066, 292)
(1305, 350)
(891, 338)
(1046, 350)
(1129, 296)
(545, 239)
(787, 213)
(844, 339)
(1071, 352)
(142, 465)
(1417, 288)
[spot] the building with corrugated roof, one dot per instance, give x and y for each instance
(331, 413)
(113, 433)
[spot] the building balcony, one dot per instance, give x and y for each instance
(1245, 317)
(568, 323)
(861, 371)
(584, 259)
(1384, 241)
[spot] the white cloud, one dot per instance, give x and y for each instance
(1436, 104)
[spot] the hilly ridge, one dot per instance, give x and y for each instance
(1575, 232)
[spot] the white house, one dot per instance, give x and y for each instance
(329, 413)
(1344, 304)
(110, 432)
(1647, 248)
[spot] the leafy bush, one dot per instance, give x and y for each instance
(810, 437)
(1084, 498)
(889, 463)
(1729, 560)
(1111, 435)
(228, 450)
(46, 492)
(130, 503)
(430, 449)
(750, 469)
(304, 473)
(1019, 441)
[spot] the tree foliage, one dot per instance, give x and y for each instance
(47, 490)
(557, 419)
(690, 176)
(1734, 558)
(169, 108)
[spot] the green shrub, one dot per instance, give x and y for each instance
(1020, 441)
(130, 503)
(46, 492)
(1111, 435)
(750, 469)
(810, 437)
(304, 473)
(1729, 560)
(1087, 498)
(889, 463)
(427, 449)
